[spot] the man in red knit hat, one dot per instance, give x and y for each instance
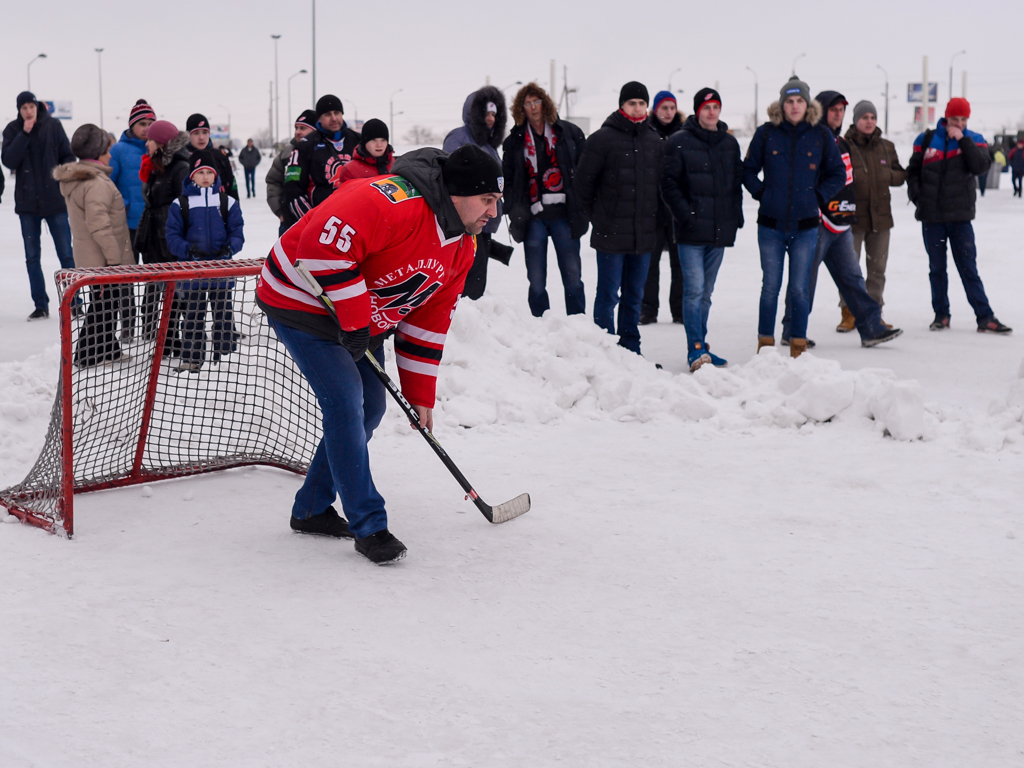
(941, 183)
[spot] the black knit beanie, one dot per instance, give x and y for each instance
(470, 171)
(329, 103)
(633, 90)
(703, 96)
(196, 122)
(201, 158)
(308, 117)
(374, 129)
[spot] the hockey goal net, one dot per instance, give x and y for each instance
(166, 370)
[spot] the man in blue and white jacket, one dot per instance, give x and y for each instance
(209, 227)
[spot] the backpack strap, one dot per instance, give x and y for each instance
(224, 207)
(183, 202)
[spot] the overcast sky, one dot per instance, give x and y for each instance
(217, 57)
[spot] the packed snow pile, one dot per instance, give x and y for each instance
(502, 366)
(27, 392)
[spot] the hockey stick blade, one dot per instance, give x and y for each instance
(510, 510)
(502, 513)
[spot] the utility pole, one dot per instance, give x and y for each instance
(886, 98)
(28, 69)
(795, 61)
(270, 113)
(314, 53)
(924, 94)
(290, 115)
(958, 53)
(963, 86)
(391, 126)
(277, 96)
(99, 64)
(552, 91)
(755, 96)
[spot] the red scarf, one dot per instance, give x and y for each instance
(146, 168)
(552, 177)
(632, 119)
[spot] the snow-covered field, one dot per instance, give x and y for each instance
(782, 563)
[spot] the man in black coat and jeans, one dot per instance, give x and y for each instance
(539, 163)
(703, 186)
(34, 144)
(617, 181)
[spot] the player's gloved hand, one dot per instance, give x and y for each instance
(191, 253)
(225, 252)
(356, 342)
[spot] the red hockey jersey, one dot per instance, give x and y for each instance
(381, 256)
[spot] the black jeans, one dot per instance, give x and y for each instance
(96, 341)
(651, 301)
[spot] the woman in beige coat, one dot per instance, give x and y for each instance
(99, 230)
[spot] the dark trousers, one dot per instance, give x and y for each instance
(960, 236)
(476, 278)
(250, 182)
(836, 250)
(196, 297)
(625, 273)
(652, 288)
(97, 342)
(1016, 178)
(31, 234)
(567, 254)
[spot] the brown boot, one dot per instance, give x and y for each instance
(765, 341)
(797, 347)
(847, 324)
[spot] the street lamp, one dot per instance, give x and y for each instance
(355, 109)
(28, 69)
(99, 64)
(314, 52)
(960, 53)
(300, 72)
(756, 88)
(517, 82)
(886, 98)
(277, 95)
(796, 60)
(677, 69)
(391, 125)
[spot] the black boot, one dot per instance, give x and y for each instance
(327, 524)
(381, 548)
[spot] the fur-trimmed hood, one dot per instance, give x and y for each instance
(164, 155)
(548, 106)
(83, 170)
(474, 114)
(812, 116)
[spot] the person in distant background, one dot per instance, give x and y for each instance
(1016, 160)
(250, 157)
(373, 156)
(484, 118)
(305, 124)
(33, 145)
(666, 120)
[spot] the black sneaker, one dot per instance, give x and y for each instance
(940, 323)
(646, 318)
(381, 548)
(330, 523)
(994, 326)
(886, 334)
(39, 314)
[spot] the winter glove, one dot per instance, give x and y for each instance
(356, 342)
(191, 253)
(225, 252)
(500, 252)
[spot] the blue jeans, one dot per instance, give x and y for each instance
(699, 265)
(836, 250)
(627, 272)
(774, 243)
(31, 233)
(351, 399)
(965, 255)
(567, 251)
(250, 182)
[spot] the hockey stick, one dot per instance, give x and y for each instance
(500, 514)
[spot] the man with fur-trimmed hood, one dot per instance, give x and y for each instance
(540, 158)
(484, 118)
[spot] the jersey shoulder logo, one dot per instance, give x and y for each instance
(396, 189)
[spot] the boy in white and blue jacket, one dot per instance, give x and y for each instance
(204, 224)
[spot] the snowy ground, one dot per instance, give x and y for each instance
(810, 563)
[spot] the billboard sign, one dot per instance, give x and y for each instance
(931, 114)
(220, 131)
(59, 109)
(914, 93)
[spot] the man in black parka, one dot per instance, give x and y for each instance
(34, 144)
(703, 186)
(617, 181)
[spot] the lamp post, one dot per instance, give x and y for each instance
(517, 82)
(391, 125)
(959, 53)
(670, 74)
(795, 61)
(99, 64)
(886, 98)
(300, 72)
(756, 88)
(228, 111)
(355, 109)
(277, 96)
(314, 52)
(28, 69)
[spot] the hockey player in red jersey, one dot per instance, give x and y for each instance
(392, 254)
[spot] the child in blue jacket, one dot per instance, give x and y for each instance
(204, 224)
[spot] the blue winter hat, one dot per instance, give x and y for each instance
(26, 97)
(660, 96)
